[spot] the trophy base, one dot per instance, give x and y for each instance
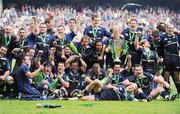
(117, 60)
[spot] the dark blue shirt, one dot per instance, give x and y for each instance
(130, 38)
(171, 44)
(22, 79)
(65, 77)
(97, 33)
(31, 39)
(148, 58)
(92, 76)
(22, 44)
(63, 41)
(118, 78)
(74, 77)
(144, 81)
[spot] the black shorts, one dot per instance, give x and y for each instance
(109, 94)
(172, 62)
(136, 58)
(106, 94)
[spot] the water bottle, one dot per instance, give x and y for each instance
(73, 48)
(39, 105)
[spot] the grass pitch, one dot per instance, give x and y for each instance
(93, 107)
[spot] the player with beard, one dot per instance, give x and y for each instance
(143, 81)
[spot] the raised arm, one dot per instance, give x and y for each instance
(69, 60)
(83, 63)
(33, 74)
(129, 64)
(136, 43)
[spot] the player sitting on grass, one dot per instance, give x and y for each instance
(143, 80)
(115, 78)
(6, 81)
(44, 79)
(60, 84)
(75, 67)
(96, 78)
(119, 75)
(118, 92)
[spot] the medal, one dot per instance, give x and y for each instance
(94, 31)
(7, 40)
(131, 36)
(22, 44)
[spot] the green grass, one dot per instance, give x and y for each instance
(95, 107)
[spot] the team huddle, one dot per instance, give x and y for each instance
(102, 64)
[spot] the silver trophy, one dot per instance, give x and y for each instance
(117, 46)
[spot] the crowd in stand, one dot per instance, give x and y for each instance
(104, 54)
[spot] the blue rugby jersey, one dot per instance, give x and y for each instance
(96, 33)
